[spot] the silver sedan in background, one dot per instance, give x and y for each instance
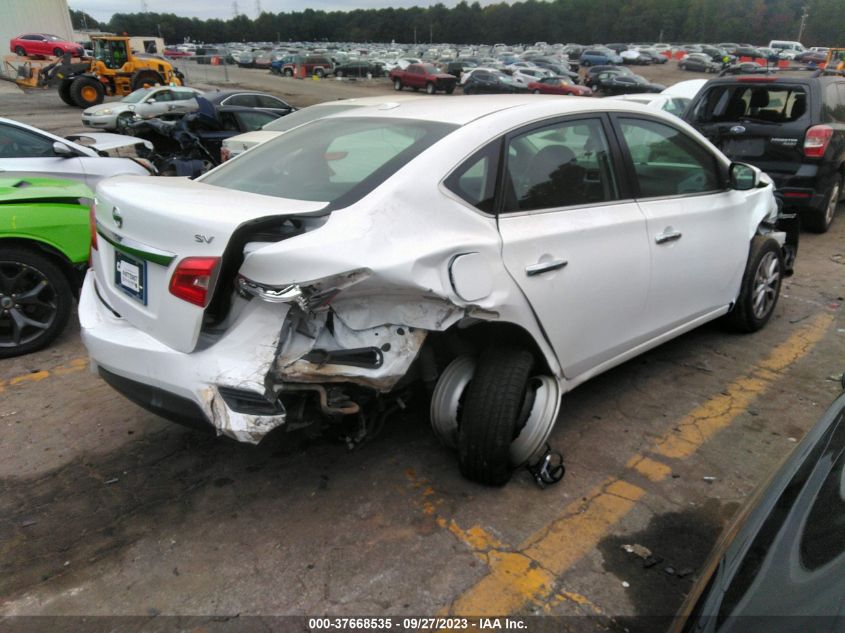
(145, 102)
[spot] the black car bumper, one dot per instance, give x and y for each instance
(163, 403)
(805, 189)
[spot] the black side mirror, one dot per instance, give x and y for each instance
(743, 176)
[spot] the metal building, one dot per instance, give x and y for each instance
(34, 16)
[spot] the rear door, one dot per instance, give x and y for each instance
(40, 46)
(573, 241)
(697, 227)
(762, 121)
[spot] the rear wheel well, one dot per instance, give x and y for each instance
(56, 256)
(458, 340)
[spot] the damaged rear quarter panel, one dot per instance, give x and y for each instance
(405, 233)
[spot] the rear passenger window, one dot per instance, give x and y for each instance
(566, 164)
(667, 162)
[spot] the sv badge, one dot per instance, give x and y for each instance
(202, 239)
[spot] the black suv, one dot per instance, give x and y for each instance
(791, 127)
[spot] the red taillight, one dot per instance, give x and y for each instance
(92, 226)
(817, 140)
(193, 278)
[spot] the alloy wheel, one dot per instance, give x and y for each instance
(27, 304)
(832, 203)
(766, 285)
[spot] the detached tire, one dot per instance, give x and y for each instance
(760, 288)
(86, 92)
(64, 93)
(820, 221)
(146, 77)
(493, 403)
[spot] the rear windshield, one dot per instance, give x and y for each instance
(337, 160)
(767, 103)
(306, 115)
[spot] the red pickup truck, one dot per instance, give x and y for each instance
(424, 76)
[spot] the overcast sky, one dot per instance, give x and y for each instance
(103, 9)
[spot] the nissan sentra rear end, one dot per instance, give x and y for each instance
(209, 305)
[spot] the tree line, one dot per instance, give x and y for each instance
(528, 21)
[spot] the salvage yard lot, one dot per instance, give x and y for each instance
(107, 509)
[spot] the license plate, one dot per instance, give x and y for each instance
(130, 275)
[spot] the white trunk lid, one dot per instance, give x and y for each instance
(147, 226)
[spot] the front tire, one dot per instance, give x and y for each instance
(819, 221)
(760, 288)
(35, 301)
(429, 88)
(64, 93)
(494, 403)
(86, 92)
(57, 52)
(338, 73)
(20, 51)
(397, 84)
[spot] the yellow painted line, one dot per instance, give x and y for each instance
(577, 598)
(528, 574)
(703, 422)
(37, 376)
(651, 469)
(75, 365)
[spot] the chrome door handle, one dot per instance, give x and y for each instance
(544, 267)
(669, 236)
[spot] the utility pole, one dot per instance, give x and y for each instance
(257, 8)
(804, 15)
(144, 7)
(235, 11)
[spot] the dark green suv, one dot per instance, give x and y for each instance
(792, 126)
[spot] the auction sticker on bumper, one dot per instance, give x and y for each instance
(130, 275)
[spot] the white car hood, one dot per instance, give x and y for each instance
(103, 141)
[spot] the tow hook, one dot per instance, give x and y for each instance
(548, 469)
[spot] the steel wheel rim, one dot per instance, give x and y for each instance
(28, 304)
(832, 204)
(766, 284)
(532, 438)
(446, 399)
(89, 93)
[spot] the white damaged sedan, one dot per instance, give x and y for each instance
(499, 250)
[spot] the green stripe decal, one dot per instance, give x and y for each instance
(159, 257)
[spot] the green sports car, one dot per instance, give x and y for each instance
(44, 243)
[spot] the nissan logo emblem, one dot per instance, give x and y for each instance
(118, 219)
(737, 129)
